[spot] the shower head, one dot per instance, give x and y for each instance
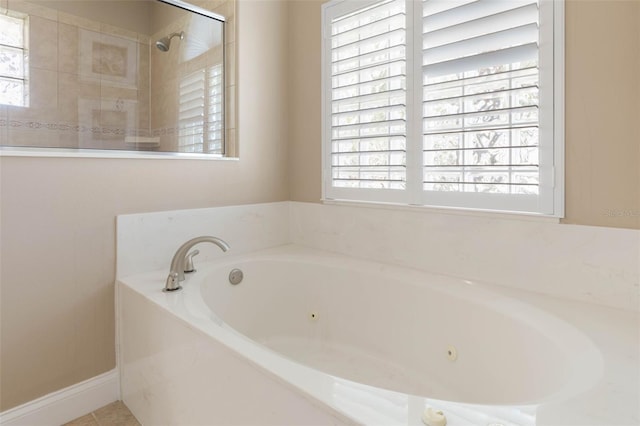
(165, 42)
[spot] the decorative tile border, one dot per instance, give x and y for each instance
(72, 128)
(79, 128)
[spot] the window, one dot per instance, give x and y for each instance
(13, 61)
(450, 103)
(200, 113)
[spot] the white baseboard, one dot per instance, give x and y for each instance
(66, 404)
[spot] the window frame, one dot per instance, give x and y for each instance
(549, 202)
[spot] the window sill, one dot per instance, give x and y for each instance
(528, 217)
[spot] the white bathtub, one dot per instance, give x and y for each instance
(310, 337)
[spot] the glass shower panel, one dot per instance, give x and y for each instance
(110, 75)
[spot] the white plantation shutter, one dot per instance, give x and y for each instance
(200, 112)
(463, 114)
(191, 112)
(215, 112)
(367, 104)
(481, 117)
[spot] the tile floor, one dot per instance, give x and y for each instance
(114, 414)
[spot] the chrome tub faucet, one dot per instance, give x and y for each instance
(178, 263)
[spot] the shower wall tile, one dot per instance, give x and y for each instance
(117, 31)
(39, 137)
(144, 39)
(144, 64)
(90, 140)
(43, 99)
(78, 21)
(144, 87)
(68, 139)
(67, 48)
(43, 43)
(69, 89)
(110, 92)
(584, 263)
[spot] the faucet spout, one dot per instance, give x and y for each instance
(176, 272)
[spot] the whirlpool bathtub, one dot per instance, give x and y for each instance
(309, 337)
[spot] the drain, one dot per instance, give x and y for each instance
(235, 276)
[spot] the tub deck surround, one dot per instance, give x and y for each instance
(178, 356)
(147, 241)
(584, 263)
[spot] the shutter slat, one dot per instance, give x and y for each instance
(483, 168)
(436, 6)
(363, 111)
(338, 153)
(369, 14)
(495, 41)
(374, 57)
(497, 76)
(371, 125)
(368, 88)
(480, 129)
(369, 45)
(371, 81)
(393, 21)
(482, 94)
(502, 21)
(481, 113)
(370, 98)
(458, 14)
(194, 80)
(476, 148)
(509, 55)
(365, 137)
(367, 67)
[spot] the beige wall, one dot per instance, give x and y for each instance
(602, 109)
(57, 222)
(304, 100)
(603, 113)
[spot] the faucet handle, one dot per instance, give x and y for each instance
(188, 262)
(172, 283)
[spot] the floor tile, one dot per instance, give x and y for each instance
(115, 414)
(87, 420)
